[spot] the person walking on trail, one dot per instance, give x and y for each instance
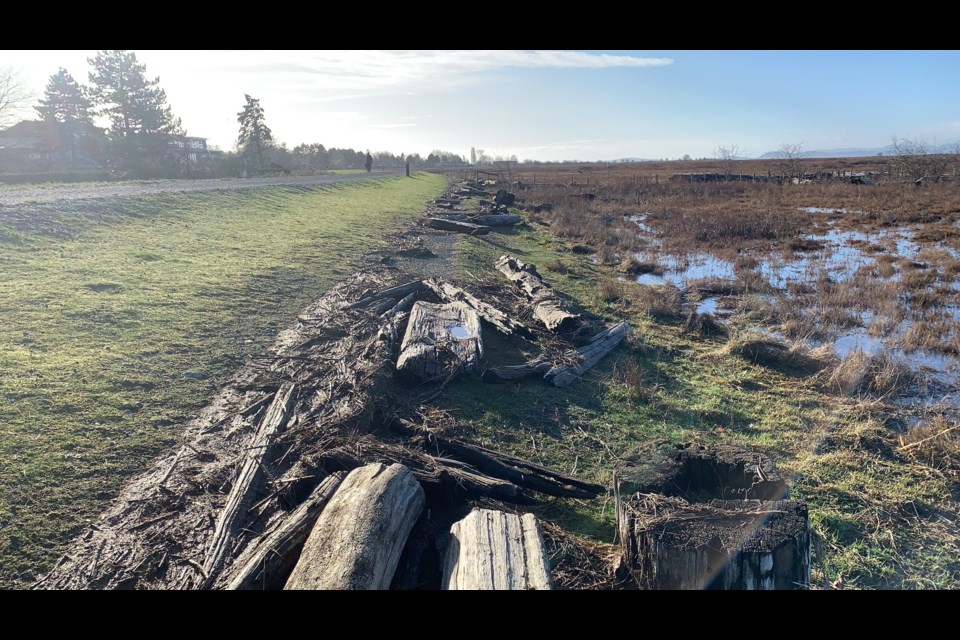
(368, 163)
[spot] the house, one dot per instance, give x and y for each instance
(36, 145)
(188, 149)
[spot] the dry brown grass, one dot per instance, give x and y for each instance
(791, 359)
(663, 302)
(878, 374)
(935, 443)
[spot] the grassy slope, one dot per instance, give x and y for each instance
(880, 520)
(111, 337)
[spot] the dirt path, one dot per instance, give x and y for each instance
(18, 194)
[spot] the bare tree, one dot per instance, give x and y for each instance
(791, 157)
(728, 157)
(914, 159)
(13, 96)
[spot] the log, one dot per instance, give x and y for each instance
(359, 536)
(267, 562)
(495, 550)
(670, 543)
(460, 227)
(246, 484)
(503, 323)
(393, 292)
(562, 375)
(573, 364)
(441, 341)
(495, 220)
(547, 307)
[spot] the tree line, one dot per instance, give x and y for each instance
(143, 129)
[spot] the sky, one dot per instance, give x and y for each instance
(552, 105)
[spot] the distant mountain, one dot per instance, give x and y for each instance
(851, 152)
(855, 152)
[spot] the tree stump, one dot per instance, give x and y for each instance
(441, 341)
(495, 550)
(692, 517)
(359, 536)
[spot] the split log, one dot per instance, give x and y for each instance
(460, 227)
(573, 364)
(495, 550)
(504, 323)
(547, 307)
(247, 483)
(393, 292)
(359, 536)
(267, 562)
(441, 341)
(721, 544)
(496, 220)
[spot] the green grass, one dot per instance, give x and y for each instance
(879, 519)
(120, 318)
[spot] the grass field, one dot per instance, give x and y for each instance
(119, 318)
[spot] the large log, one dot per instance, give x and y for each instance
(572, 365)
(460, 227)
(504, 323)
(393, 292)
(495, 220)
(267, 562)
(441, 341)
(496, 550)
(246, 484)
(359, 536)
(547, 307)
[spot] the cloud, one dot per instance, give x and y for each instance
(372, 70)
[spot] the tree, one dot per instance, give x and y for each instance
(141, 120)
(916, 160)
(66, 108)
(13, 95)
(791, 157)
(134, 104)
(728, 157)
(64, 100)
(255, 135)
(473, 156)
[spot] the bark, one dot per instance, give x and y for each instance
(441, 342)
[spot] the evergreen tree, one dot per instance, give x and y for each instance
(133, 103)
(64, 100)
(254, 135)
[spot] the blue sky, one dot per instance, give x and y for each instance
(553, 105)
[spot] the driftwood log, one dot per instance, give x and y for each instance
(247, 482)
(547, 307)
(495, 550)
(359, 536)
(693, 517)
(501, 321)
(267, 563)
(496, 220)
(468, 228)
(441, 342)
(572, 364)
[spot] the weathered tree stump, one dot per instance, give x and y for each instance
(496, 550)
(720, 544)
(547, 307)
(359, 536)
(441, 341)
(690, 517)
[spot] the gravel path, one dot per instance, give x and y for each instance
(20, 194)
